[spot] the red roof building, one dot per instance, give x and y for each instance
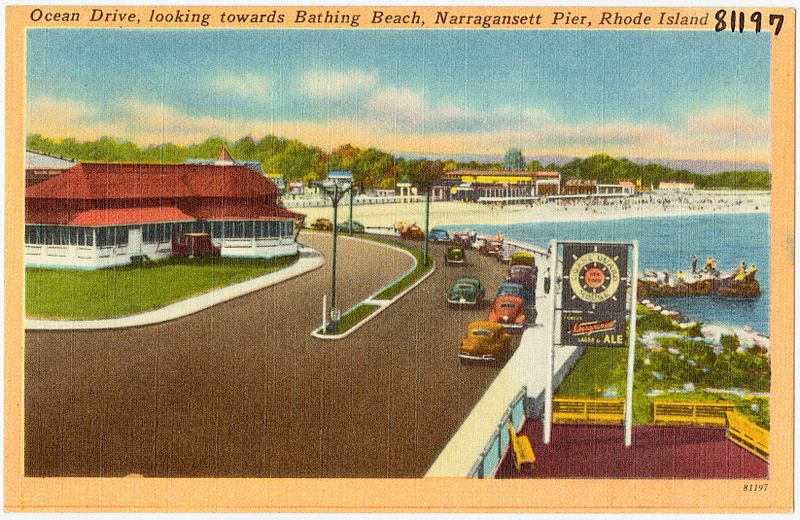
(72, 216)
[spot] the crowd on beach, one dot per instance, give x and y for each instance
(667, 202)
(652, 204)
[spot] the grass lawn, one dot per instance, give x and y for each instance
(598, 369)
(601, 367)
(126, 290)
(354, 316)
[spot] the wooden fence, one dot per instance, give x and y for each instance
(749, 436)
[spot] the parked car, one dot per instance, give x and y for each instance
(412, 232)
(488, 247)
(523, 258)
(508, 311)
(515, 289)
(464, 239)
(522, 274)
(455, 255)
(438, 235)
(504, 255)
(485, 341)
(322, 224)
(345, 226)
(466, 290)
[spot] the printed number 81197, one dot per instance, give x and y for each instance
(755, 487)
(738, 21)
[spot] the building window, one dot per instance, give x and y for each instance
(121, 236)
(248, 229)
(272, 229)
(103, 237)
(216, 230)
(147, 233)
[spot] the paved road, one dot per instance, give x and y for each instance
(241, 389)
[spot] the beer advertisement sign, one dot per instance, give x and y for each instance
(595, 281)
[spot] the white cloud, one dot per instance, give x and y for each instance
(742, 123)
(337, 84)
(397, 103)
(243, 85)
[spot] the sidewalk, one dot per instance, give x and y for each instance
(309, 260)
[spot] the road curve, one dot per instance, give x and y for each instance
(242, 390)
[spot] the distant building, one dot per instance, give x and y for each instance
(342, 176)
(675, 186)
(580, 187)
(628, 187)
(102, 214)
(491, 176)
(493, 184)
(613, 189)
(224, 158)
(548, 183)
(40, 167)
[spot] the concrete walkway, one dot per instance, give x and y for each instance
(308, 260)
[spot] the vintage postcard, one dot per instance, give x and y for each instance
(441, 258)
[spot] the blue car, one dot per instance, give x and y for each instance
(438, 235)
(515, 289)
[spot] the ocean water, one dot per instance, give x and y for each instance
(667, 244)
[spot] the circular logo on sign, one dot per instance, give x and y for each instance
(594, 277)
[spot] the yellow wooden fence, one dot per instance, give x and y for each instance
(581, 410)
(691, 413)
(749, 436)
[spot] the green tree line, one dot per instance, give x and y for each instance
(371, 167)
(606, 169)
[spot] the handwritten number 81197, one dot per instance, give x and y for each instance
(738, 21)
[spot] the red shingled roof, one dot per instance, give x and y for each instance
(114, 194)
(120, 216)
(103, 181)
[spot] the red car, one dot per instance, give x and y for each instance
(508, 311)
(522, 274)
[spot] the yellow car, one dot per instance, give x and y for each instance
(322, 224)
(485, 341)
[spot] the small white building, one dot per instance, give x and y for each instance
(675, 186)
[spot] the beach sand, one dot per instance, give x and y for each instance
(452, 213)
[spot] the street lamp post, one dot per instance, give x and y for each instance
(335, 191)
(350, 222)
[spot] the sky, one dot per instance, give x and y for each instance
(696, 95)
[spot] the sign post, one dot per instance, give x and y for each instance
(595, 285)
(548, 388)
(631, 349)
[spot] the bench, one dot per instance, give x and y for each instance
(691, 413)
(586, 410)
(521, 446)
